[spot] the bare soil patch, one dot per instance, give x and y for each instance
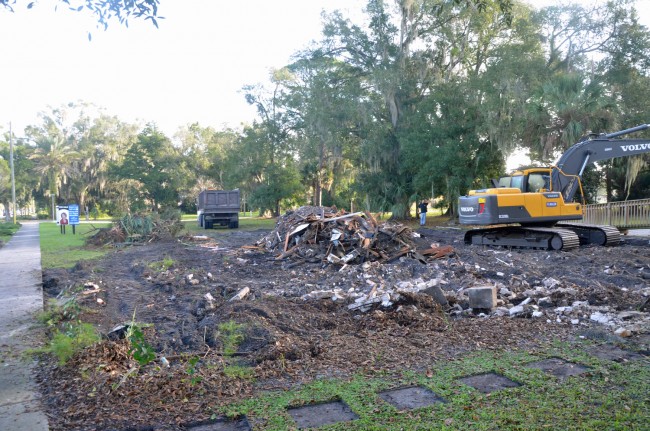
(298, 324)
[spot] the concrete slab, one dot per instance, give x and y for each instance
(21, 296)
(482, 297)
(413, 397)
(221, 424)
(613, 353)
(559, 367)
(489, 382)
(318, 415)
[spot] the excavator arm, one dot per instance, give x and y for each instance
(566, 173)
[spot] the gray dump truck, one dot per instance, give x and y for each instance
(218, 207)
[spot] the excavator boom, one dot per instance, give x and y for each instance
(573, 162)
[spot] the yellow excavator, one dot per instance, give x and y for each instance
(532, 208)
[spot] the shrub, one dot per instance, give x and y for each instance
(65, 344)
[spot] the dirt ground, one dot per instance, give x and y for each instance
(300, 321)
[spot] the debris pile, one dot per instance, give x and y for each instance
(323, 234)
(137, 229)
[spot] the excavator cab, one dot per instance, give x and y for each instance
(525, 197)
(528, 181)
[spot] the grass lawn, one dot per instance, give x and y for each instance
(64, 251)
(245, 223)
(7, 230)
(608, 396)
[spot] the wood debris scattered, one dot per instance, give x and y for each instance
(325, 234)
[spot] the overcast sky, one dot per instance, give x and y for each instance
(190, 69)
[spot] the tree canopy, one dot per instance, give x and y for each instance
(104, 10)
(427, 100)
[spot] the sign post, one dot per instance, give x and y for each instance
(62, 218)
(73, 214)
(67, 215)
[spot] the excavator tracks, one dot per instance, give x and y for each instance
(594, 234)
(524, 237)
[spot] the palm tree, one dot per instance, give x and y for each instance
(54, 159)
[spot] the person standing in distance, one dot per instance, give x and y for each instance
(422, 209)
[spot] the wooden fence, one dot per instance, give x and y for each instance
(623, 215)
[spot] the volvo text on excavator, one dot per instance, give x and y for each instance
(531, 208)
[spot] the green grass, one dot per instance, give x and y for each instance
(609, 396)
(64, 251)
(66, 342)
(231, 335)
(246, 223)
(162, 265)
(239, 372)
(7, 230)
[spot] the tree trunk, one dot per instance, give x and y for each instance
(7, 215)
(318, 192)
(608, 182)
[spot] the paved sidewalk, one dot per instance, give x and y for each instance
(21, 295)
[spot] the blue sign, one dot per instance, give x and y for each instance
(73, 212)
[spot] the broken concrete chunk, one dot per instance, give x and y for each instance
(403, 285)
(363, 304)
(437, 294)
(630, 314)
(521, 311)
(210, 300)
(550, 283)
(333, 259)
(564, 310)
(484, 297)
(318, 294)
(241, 294)
(600, 318)
(350, 256)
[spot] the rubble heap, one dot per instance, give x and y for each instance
(313, 234)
